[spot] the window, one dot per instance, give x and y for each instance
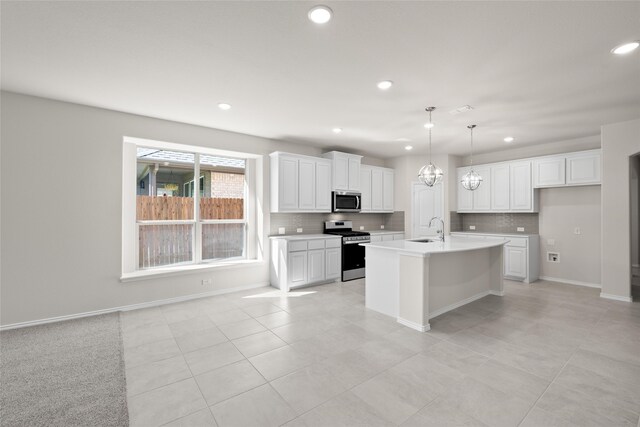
(181, 221)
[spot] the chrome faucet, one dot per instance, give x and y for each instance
(441, 231)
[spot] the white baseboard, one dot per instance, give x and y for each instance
(615, 297)
(130, 307)
(571, 282)
(461, 303)
(414, 325)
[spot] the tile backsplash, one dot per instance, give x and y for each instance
(312, 223)
(495, 222)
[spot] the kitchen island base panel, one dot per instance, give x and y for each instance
(414, 287)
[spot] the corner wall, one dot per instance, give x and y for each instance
(620, 141)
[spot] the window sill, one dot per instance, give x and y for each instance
(186, 269)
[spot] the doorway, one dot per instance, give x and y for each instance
(634, 206)
(426, 202)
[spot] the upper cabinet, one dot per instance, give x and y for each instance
(580, 168)
(346, 171)
(376, 186)
(300, 183)
(506, 187)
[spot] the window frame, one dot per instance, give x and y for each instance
(131, 226)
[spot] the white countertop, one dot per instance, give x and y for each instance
(303, 236)
(451, 244)
(495, 234)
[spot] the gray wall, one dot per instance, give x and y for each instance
(61, 251)
(620, 141)
(314, 222)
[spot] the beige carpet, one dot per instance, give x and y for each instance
(64, 374)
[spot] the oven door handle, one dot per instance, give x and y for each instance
(356, 242)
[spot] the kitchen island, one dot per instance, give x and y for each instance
(415, 281)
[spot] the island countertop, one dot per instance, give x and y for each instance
(451, 244)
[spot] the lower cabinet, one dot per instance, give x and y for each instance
(386, 237)
(520, 255)
(299, 262)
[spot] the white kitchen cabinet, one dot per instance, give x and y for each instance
(297, 262)
(482, 194)
(333, 259)
(316, 267)
(521, 257)
(376, 238)
(387, 190)
(515, 262)
(297, 268)
(465, 197)
(376, 187)
(345, 171)
(583, 168)
(365, 188)
(387, 237)
(398, 236)
(521, 188)
(323, 185)
(300, 183)
(500, 188)
(549, 171)
(306, 184)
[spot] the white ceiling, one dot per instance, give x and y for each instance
(539, 71)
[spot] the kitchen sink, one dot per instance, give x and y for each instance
(423, 240)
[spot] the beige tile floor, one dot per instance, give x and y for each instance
(545, 354)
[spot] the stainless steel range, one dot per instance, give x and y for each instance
(352, 252)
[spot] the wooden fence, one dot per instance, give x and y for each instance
(178, 208)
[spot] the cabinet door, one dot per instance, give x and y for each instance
(549, 172)
(306, 185)
(521, 197)
(365, 188)
(297, 267)
(500, 188)
(399, 236)
(377, 179)
(288, 183)
(333, 263)
(515, 261)
(482, 194)
(323, 186)
(465, 197)
(387, 190)
(583, 168)
(316, 266)
(354, 173)
(387, 237)
(341, 173)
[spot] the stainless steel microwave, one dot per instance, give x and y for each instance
(346, 201)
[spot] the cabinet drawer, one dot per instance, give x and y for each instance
(298, 245)
(332, 243)
(519, 242)
(398, 237)
(316, 244)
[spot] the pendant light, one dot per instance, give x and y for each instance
(471, 180)
(430, 174)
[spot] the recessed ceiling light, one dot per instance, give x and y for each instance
(385, 84)
(224, 106)
(408, 148)
(320, 14)
(428, 125)
(336, 130)
(625, 48)
(509, 139)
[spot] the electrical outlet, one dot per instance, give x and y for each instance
(206, 282)
(553, 257)
(472, 227)
(520, 229)
(298, 230)
(281, 230)
(551, 242)
(577, 230)
(362, 227)
(382, 227)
